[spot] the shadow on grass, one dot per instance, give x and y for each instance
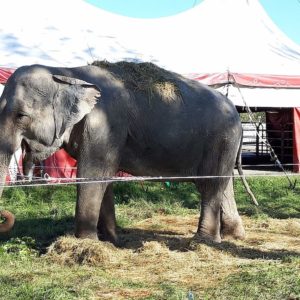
(43, 230)
(134, 239)
(158, 192)
(251, 253)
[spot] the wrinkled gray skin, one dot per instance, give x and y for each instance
(107, 127)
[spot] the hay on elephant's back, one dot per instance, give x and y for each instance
(145, 77)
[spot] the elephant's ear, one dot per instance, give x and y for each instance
(75, 98)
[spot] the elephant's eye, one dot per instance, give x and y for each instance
(22, 118)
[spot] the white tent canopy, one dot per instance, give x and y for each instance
(216, 36)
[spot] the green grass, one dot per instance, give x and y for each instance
(35, 278)
(275, 198)
(45, 213)
(265, 281)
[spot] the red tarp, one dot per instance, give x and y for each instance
(60, 165)
(296, 140)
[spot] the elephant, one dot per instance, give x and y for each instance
(134, 117)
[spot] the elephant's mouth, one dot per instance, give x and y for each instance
(38, 151)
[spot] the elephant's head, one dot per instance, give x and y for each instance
(38, 106)
(9, 221)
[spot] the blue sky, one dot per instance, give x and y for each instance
(145, 8)
(285, 13)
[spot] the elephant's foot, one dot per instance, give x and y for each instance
(205, 237)
(108, 234)
(209, 225)
(232, 227)
(85, 234)
(109, 237)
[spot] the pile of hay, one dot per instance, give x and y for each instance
(153, 249)
(69, 251)
(145, 77)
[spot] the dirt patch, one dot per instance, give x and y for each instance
(125, 294)
(273, 234)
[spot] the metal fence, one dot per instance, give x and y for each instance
(254, 139)
(257, 136)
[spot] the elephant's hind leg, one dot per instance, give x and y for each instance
(231, 222)
(209, 222)
(107, 217)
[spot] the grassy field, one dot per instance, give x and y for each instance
(158, 257)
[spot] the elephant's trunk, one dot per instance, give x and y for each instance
(4, 164)
(8, 216)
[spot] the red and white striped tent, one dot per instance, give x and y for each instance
(5, 74)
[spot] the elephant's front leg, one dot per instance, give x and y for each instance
(98, 158)
(90, 196)
(89, 199)
(107, 218)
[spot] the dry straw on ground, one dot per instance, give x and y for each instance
(151, 257)
(69, 250)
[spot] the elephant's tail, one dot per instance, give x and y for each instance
(9, 221)
(241, 173)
